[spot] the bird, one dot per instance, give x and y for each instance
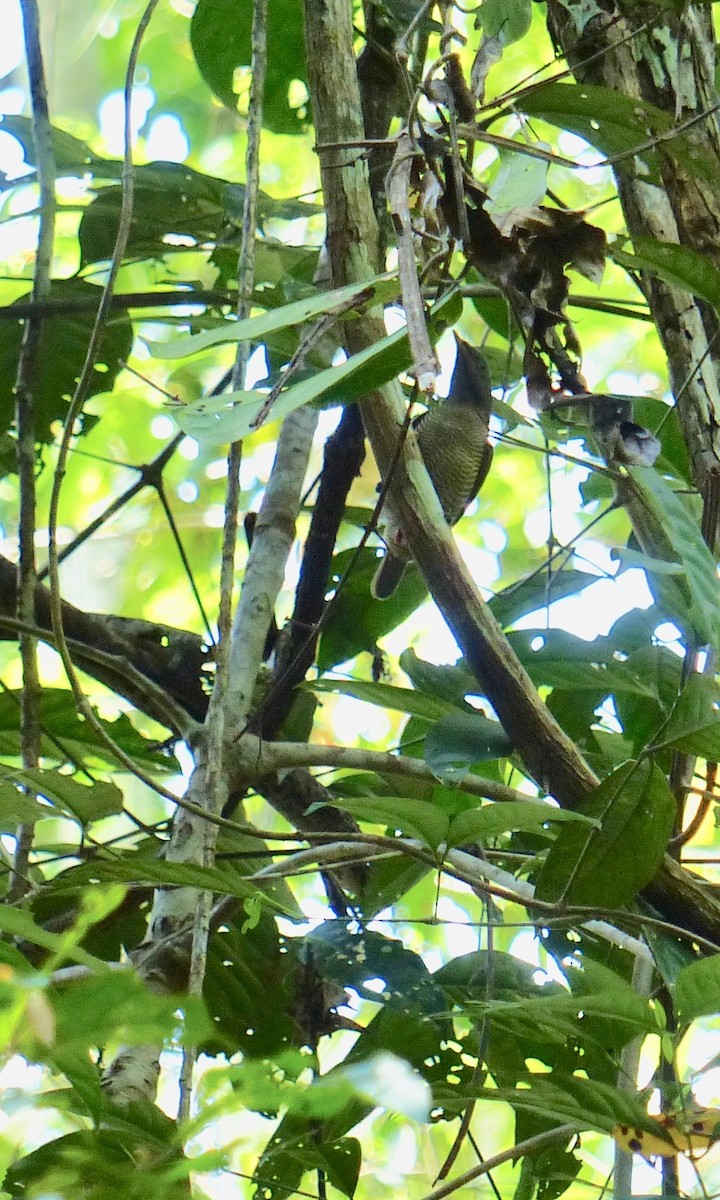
(453, 440)
(622, 442)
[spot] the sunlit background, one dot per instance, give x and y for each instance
(129, 566)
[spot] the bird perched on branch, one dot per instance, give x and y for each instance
(452, 436)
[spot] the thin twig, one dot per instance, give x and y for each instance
(529, 1146)
(78, 400)
(425, 362)
(210, 776)
(26, 379)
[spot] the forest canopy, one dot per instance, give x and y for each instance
(360, 451)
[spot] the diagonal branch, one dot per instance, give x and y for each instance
(549, 755)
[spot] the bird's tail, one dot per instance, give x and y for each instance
(387, 577)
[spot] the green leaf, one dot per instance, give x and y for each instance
(351, 959)
(528, 595)
(688, 547)
(451, 682)
(526, 816)
(234, 415)
(220, 36)
(670, 953)
(460, 740)
(116, 1006)
(509, 20)
(385, 696)
(59, 719)
(87, 802)
(608, 866)
(521, 180)
(697, 989)
(249, 989)
(412, 818)
(681, 266)
(171, 201)
(693, 727)
(558, 659)
(71, 155)
(17, 808)
(605, 118)
(61, 354)
(627, 557)
(585, 1103)
(254, 329)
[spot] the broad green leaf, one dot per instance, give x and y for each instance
(694, 724)
(87, 802)
(72, 156)
(59, 719)
(528, 595)
(688, 547)
(351, 959)
(697, 989)
(63, 344)
(17, 807)
(526, 816)
(254, 329)
(625, 1014)
(628, 558)
(235, 415)
(680, 266)
(670, 953)
(116, 1006)
(605, 118)
(586, 1103)
(509, 20)
(460, 740)
(610, 865)
(413, 818)
(521, 180)
(451, 682)
(220, 36)
(398, 699)
(249, 989)
(558, 659)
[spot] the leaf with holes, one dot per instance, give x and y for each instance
(63, 344)
(220, 36)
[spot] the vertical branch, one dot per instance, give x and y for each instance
(25, 384)
(134, 1071)
(643, 970)
(214, 791)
